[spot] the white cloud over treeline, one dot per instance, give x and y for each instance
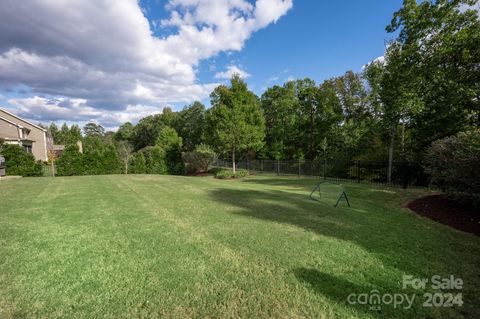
(87, 59)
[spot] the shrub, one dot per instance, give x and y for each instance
(19, 162)
(99, 157)
(228, 173)
(70, 162)
(171, 143)
(224, 173)
(110, 160)
(199, 160)
(138, 165)
(155, 160)
(453, 163)
(241, 173)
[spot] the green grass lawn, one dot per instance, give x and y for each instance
(142, 246)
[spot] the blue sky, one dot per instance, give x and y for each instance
(114, 61)
(316, 39)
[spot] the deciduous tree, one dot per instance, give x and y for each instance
(235, 120)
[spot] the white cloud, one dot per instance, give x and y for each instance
(231, 71)
(274, 78)
(41, 109)
(104, 53)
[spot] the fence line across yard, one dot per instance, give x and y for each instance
(404, 174)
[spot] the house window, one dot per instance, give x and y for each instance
(27, 148)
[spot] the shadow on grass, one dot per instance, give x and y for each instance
(362, 299)
(401, 242)
(388, 233)
(333, 288)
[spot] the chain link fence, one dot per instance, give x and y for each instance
(404, 174)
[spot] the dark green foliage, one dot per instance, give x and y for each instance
(440, 49)
(92, 129)
(138, 164)
(190, 125)
(279, 105)
(19, 162)
(53, 132)
(97, 158)
(71, 162)
(453, 164)
(235, 121)
(146, 131)
(109, 137)
(124, 132)
(93, 156)
(168, 116)
(169, 141)
(66, 135)
(111, 161)
(199, 160)
(155, 160)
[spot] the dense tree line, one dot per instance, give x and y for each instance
(426, 87)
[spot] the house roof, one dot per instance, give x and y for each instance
(10, 122)
(19, 118)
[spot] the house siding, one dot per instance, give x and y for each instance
(37, 134)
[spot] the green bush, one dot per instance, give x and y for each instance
(155, 160)
(171, 143)
(70, 162)
(453, 164)
(99, 157)
(110, 160)
(241, 173)
(138, 164)
(199, 160)
(224, 173)
(19, 162)
(228, 173)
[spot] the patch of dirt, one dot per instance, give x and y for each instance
(449, 212)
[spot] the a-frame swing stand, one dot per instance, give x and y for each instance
(343, 195)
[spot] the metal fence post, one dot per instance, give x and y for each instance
(405, 174)
(358, 172)
(325, 168)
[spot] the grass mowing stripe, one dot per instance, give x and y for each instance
(167, 246)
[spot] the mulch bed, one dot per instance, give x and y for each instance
(453, 213)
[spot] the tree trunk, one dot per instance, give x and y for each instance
(126, 167)
(390, 154)
(233, 161)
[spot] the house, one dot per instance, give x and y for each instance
(15, 130)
